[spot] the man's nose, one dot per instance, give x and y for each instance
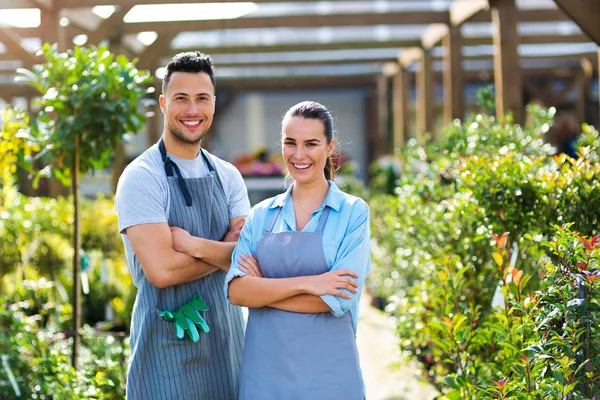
(192, 108)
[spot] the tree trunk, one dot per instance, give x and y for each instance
(76, 255)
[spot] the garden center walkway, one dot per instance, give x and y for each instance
(378, 348)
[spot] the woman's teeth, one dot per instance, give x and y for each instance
(301, 166)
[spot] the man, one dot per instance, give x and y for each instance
(176, 183)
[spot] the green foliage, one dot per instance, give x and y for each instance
(432, 256)
(87, 93)
(38, 354)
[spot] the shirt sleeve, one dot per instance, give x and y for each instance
(354, 254)
(239, 204)
(245, 245)
(140, 198)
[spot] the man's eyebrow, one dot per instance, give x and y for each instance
(187, 94)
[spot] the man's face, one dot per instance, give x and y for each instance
(188, 105)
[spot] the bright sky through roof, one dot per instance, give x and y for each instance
(188, 12)
(20, 17)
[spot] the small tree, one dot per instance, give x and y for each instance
(89, 103)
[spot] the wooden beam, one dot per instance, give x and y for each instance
(379, 129)
(529, 15)
(12, 42)
(433, 35)
(291, 21)
(507, 68)
(92, 3)
(410, 56)
(585, 13)
(51, 30)
(109, 28)
(298, 83)
(400, 107)
(425, 95)
(463, 10)
(453, 76)
(148, 58)
(304, 63)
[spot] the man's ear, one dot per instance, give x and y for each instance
(163, 104)
(215, 103)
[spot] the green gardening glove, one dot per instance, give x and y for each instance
(188, 319)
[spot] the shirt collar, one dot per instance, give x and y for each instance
(333, 199)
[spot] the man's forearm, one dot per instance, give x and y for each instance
(213, 252)
(302, 303)
(180, 268)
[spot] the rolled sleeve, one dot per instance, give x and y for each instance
(334, 303)
(354, 254)
(245, 245)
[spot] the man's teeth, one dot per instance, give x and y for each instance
(301, 166)
(191, 123)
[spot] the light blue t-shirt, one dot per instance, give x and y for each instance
(346, 239)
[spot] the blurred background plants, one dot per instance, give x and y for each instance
(471, 312)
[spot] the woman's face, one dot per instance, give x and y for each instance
(305, 148)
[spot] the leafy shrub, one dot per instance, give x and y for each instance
(432, 237)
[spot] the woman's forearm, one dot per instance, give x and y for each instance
(302, 303)
(254, 292)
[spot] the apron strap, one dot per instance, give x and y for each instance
(323, 219)
(170, 166)
(273, 220)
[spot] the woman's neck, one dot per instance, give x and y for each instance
(311, 192)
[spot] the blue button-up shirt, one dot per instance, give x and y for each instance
(346, 239)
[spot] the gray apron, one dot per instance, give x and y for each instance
(294, 356)
(163, 366)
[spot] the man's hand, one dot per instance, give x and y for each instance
(234, 233)
(183, 242)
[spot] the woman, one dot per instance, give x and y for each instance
(299, 266)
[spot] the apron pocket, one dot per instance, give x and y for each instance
(175, 356)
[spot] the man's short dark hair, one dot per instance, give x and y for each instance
(191, 61)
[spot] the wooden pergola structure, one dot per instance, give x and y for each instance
(385, 47)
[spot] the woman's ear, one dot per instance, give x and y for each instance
(331, 147)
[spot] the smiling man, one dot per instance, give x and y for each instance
(180, 213)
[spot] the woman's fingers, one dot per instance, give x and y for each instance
(348, 272)
(251, 265)
(342, 295)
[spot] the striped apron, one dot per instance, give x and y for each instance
(161, 365)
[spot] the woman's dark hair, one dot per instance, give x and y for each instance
(314, 110)
(191, 61)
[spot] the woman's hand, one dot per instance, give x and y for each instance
(183, 242)
(249, 266)
(332, 282)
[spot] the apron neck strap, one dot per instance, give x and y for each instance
(171, 168)
(323, 219)
(273, 219)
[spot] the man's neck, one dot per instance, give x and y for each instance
(180, 149)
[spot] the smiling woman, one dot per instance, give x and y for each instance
(299, 266)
